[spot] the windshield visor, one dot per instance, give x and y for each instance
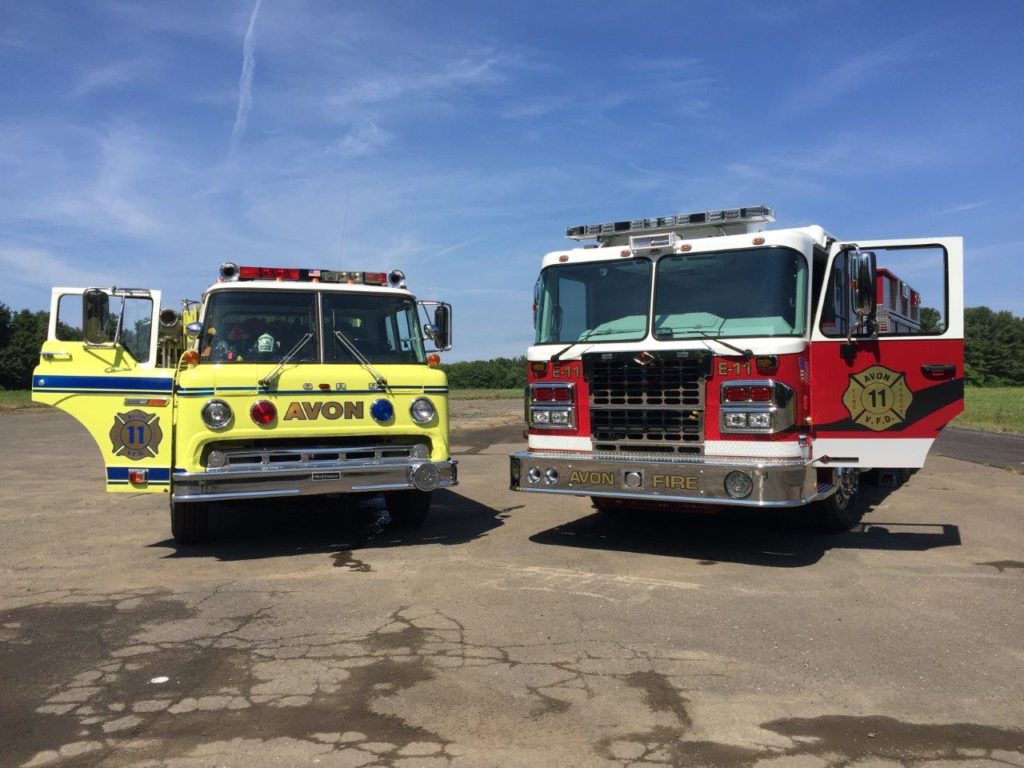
(383, 329)
(596, 302)
(259, 327)
(750, 292)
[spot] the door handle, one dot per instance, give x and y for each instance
(56, 355)
(935, 371)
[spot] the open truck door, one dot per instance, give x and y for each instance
(888, 351)
(99, 365)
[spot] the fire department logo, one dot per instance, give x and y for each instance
(136, 435)
(878, 398)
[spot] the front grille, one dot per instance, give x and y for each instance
(299, 454)
(647, 403)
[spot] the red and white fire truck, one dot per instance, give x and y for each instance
(704, 359)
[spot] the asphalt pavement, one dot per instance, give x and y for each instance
(510, 630)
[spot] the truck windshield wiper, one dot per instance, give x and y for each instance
(745, 352)
(346, 342)
(266, 381)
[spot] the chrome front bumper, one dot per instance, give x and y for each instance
(775, 482)
(314, 478)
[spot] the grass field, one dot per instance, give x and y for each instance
(997, 409)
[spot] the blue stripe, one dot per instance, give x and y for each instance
(49, 383)
(156, 474)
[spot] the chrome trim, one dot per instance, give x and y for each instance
(556, 406)
(781, 407)
(778, 483)
(312, 479)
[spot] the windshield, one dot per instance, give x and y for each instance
(604, 301)
(750, 292)
(259, 326)
(385, 329)
(252, 326)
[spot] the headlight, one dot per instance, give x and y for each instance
(217, 414)
(760, 420)
(422, 411)
(736, 420)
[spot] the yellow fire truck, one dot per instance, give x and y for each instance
(280, 382)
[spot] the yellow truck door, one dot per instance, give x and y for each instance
(99, 365)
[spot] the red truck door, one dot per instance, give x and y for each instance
(882, 388)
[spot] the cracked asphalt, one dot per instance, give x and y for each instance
(510, 630)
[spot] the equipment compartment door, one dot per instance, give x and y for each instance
(879, 400)
(98, 365)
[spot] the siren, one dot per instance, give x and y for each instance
(228, 271)
(170, 323)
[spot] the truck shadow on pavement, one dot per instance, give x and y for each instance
(771, 538)
(285, 527)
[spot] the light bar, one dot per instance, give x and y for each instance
(232, 272)
(751, 214)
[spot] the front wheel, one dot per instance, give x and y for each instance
(189, 522)
(843, 509)
(409, 508)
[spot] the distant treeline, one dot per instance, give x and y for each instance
(502, 373)
(993, 357)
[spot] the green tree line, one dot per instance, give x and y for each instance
(993, 354)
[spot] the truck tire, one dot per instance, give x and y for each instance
(409, 508)
(843, 509)
(189, 522)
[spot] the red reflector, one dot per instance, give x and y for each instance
(737, 394)
(263, 412)
(760, 393)
(767, 364)
(375, 278)
(138, 476)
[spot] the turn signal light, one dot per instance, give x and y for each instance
(263, 412)
(737, 394)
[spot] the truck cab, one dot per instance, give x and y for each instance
(279, 382)
(705, 358)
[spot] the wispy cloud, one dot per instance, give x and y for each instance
(112, 75)
(245, 82)
(361, 140)
(38, 268)
(962, 208)
(420, 84)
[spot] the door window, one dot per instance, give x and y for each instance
(911, 293)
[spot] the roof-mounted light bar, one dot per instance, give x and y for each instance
(230, 272)
(720, 218)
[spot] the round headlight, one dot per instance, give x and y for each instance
(217, 414)
(382, 410)
(422, 410)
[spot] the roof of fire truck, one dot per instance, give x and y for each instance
(723, 229)
(235, 277)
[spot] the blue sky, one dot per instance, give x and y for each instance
(142, 144)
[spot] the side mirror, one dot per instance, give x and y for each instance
(442, 327)
(862, 289)
(95, 317)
